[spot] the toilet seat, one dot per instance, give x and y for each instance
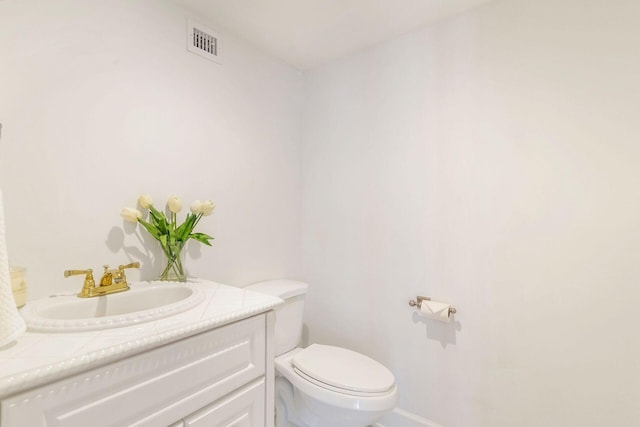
(336, 389)
(342, 371)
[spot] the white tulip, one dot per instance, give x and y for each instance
(174, 204)
(196, 207)
(130, 214)
(145, 201)
(206, 208)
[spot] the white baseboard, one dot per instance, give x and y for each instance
(401, 418)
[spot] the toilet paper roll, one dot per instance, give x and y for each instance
(11, 324)
(435, 310)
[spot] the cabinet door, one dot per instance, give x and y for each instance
(151, 389)
(244, 408)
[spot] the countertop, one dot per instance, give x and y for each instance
(38, 358)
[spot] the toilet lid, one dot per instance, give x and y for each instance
(343, 369)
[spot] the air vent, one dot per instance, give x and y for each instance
(204, 42)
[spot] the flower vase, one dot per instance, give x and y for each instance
(173, 271)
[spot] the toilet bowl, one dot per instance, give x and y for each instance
(335, 398)
(322, 385)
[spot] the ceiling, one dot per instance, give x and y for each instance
(309, 33)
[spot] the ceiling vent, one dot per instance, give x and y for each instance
(204, 41)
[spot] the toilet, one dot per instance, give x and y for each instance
(322, 385)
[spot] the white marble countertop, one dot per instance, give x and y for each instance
(38, 358)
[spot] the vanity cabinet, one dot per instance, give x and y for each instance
(242, 409)
(220, 377)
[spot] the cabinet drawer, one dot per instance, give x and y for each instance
(244, 408)
(154, 388)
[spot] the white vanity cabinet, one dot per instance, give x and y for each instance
(219, 377)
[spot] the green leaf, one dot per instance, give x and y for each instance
(150, 228)
(171, 234)
(182, 232)
(159, 219)
(202, 238)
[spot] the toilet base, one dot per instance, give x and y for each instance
(285, 416)
(294, 411)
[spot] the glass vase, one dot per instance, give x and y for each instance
(173, 270)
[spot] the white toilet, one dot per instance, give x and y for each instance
(322, 386)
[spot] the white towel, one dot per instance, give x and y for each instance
(11, 324)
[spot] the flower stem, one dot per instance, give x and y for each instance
(173, 270)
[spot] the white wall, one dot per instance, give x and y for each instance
(101, 102)
(490, 161)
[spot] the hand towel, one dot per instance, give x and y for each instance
(11, 324)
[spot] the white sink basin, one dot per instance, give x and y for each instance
(144, 302)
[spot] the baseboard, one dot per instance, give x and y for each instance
(401, 418)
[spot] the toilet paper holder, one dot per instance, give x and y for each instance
(418, 304)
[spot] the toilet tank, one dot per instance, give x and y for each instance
(288, 325)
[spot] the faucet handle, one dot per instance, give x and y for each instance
(89, 282)
(68, 273)
(132, 265)
(119, 276)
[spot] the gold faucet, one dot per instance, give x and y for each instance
(112, 281)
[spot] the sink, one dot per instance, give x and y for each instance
(144, 302)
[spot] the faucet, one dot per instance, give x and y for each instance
(112, 281)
